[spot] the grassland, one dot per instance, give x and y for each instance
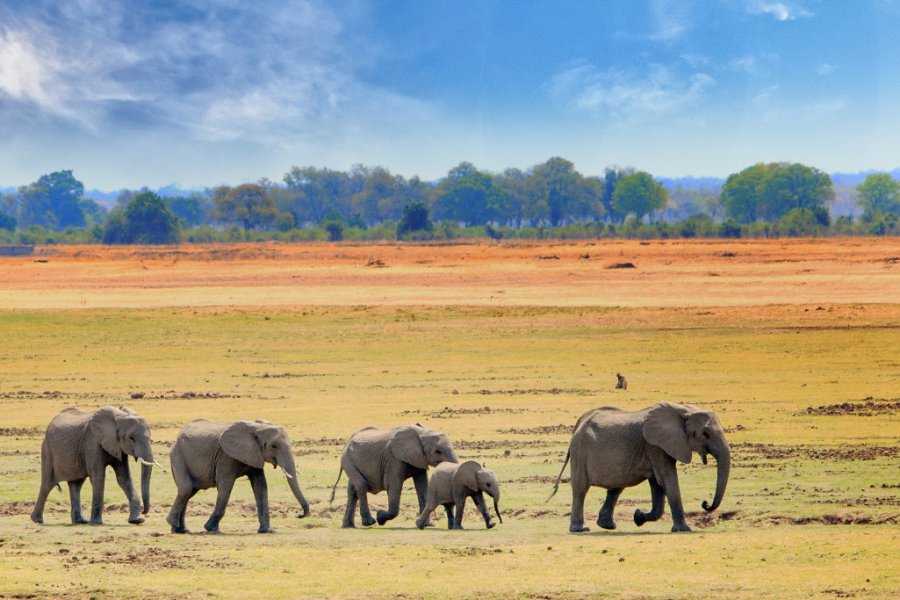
(801, 365)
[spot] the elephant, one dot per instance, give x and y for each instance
(79, 444)
(378, 459)
(452, 483)
(208, 454)
(614, 449)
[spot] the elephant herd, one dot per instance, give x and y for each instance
(610, 448)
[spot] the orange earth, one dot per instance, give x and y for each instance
(669, 273)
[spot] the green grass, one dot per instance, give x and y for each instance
(812, 508)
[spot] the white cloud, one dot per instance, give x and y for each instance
(825, 69)
(782, 11)
(671, 18)
(625, 97)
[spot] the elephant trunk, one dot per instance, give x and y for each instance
(497, 507)
(723, 468)
(146, 470)
(290, 470)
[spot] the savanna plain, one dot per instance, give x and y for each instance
(795, 345)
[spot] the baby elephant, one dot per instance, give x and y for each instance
(208, 454)
(451, 484)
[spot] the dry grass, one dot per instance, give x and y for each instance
(807, 389)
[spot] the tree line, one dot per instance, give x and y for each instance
(551, 199)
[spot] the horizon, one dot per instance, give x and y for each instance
(164, 94)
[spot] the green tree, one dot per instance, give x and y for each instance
(611, 178)
(567, 194)
(190, 210)
(766, 192)
(879, 193)
(7, 222)
(415, 221)
(638, 194)
(469, 195)
(55, 201)
(248, 205)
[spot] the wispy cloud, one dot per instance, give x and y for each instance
(625, 97)
(261, 71)
(782, 11)
(671, 18)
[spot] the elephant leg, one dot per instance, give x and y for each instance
(658, 497)
(673, 492)
(98, 484)
(47, 483)
(224, 486)
(448, 508)
(75, 501)
(483, 509)
(460, 502)
(605, 518)
(580, 488)
(393, 503)
(123, 477)
(350, 510)
(186, 490)
(420, 480)
(261, 493)
(362, 489)
(424, 517)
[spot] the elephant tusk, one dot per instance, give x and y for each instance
(155, 462)
(286, 474)
(144, 462)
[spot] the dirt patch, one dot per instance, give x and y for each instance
(543, 430)
(705, 520)
(473, 551)
(449, 413)
(870, 407)
(844, 453)
(152, 558)
(832, 519)
(536, 392)
(543, 479)
(495, 445)
(21, 431)
(622, 265)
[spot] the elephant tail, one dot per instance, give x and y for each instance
(556, 485)
(334, 487)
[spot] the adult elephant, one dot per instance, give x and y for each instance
(377, 459)
(79, 444)
(208, 454)
(614, 449)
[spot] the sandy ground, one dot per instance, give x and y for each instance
(664, 273)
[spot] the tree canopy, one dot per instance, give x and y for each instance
(249, 206)
(767, 192)
(879, 193)
(638, 194)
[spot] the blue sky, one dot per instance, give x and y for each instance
(197, 93)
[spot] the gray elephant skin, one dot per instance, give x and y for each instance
(377, 460)
(614, 449)
(208, 454)
(451, 484)
(78, 445)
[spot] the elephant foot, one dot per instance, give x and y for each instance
(211, 527)
(578, 529)
(213, 531)
(606, 523)
(368, 521)
(420, 524)
(640, 517)
(491, 525)
(350, 525)
(384, 517)
(79, 520)
(39, 519)
(95, 522)
(145, 510)
(679, 527)
(180, 530)
(265, 530)
(136, 520)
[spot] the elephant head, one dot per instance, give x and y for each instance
(476, 478)
(680, 429)
(260, 442)
(421, 447)
(121, 431)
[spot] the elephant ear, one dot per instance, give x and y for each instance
(103, 426)
(406, 446)
(239, 441)
(466, 476)
(665, 427)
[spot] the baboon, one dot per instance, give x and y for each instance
(621, 384)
